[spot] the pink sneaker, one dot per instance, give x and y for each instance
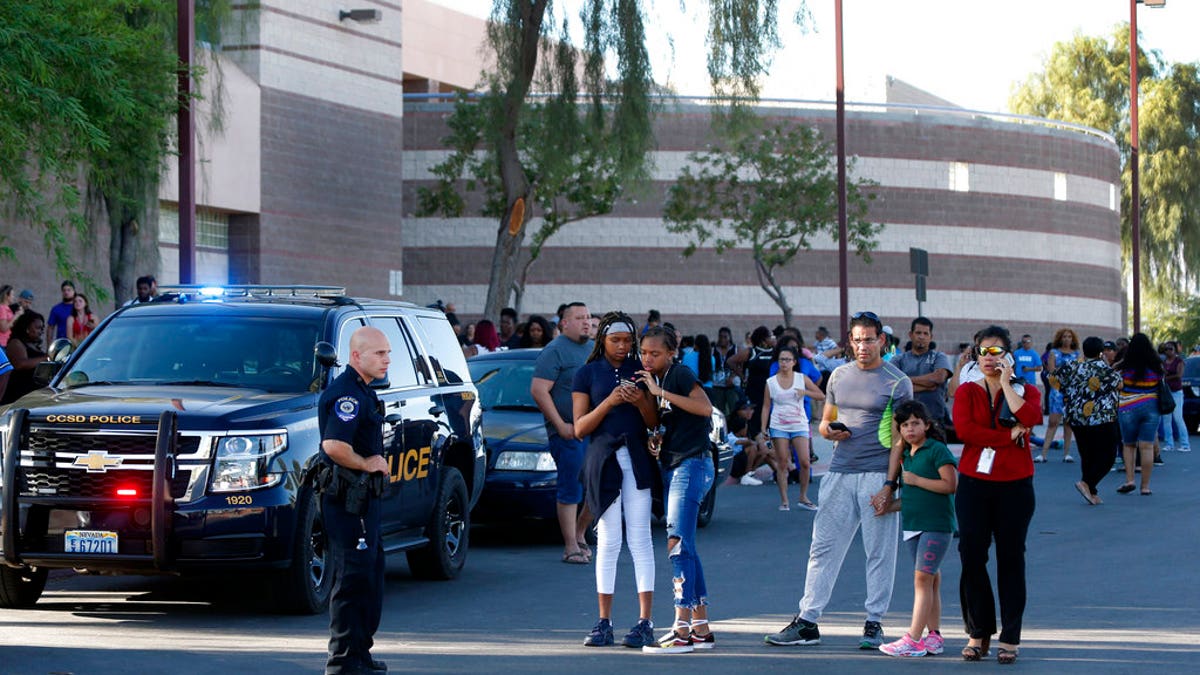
(934, 644)
(905, 646)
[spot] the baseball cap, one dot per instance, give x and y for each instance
(887, 329)
(26, 294)
(1109, 344)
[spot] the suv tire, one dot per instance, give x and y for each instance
(448, 531)
(304, 587)
(21, 588)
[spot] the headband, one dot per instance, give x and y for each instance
(618, 327)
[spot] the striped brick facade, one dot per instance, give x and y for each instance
(1031, 240)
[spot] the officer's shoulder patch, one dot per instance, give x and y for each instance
(346, 408)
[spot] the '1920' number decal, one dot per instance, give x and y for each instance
(239, 500)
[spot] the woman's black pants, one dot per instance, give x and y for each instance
(990, 511)
(1096, 444)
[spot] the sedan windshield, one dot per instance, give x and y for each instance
(503, 384)
(275, 355)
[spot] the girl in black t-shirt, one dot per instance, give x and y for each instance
(685, 420)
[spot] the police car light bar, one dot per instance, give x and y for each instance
(245, 290)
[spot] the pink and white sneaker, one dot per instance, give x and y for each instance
(905, 646)
(934, 644)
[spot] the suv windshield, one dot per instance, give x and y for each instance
(275, 355)
(503, 384)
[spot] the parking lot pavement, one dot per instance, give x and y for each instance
(1111, 590)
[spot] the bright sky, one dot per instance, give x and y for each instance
(970, 52)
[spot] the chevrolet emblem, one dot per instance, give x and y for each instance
(98, 461)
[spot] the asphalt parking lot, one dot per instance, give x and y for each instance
(1111, 590)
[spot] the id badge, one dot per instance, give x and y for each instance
(986, 457)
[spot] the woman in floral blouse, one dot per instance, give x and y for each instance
(1089, 390)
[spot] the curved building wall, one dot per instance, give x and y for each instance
(1020, 221)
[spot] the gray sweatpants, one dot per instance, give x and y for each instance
(845, 501)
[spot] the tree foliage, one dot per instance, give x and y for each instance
(616, 118)
(87, 94)
(770, 190)
(1086, 80)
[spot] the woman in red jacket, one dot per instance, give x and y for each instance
(995, 493)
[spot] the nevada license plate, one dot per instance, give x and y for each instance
(91, 541)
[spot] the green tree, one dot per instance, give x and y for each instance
(1086, 80)
(741, 37)
(772, 190)
(89, 91)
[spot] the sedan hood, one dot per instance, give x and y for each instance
(503, 428)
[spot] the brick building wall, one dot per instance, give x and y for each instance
(1031, 240)
(331, 130)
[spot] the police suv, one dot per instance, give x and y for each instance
(181, 437)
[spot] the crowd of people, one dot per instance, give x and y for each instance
(26, 334)
(627, 408)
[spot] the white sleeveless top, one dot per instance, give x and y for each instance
(787, 405)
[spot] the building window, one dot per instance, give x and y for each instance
(960, 177)
(1112, 197)
(1060, 187)
(212, 227)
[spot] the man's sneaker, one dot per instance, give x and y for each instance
(872, 636)
(798, 632)
(750, 480)
(702, 641)
(640, 635)
(1184, 448)
(671, 643)
(905, 646)
(601, 635)
(934, 644)
(1158, 461)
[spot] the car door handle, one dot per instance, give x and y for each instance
(436, 410)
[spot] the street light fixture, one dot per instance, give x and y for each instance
(1135, 206)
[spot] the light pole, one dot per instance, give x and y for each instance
(843, 234)
(1135, 204)
(184, 41)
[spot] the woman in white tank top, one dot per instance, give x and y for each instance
(783, 407)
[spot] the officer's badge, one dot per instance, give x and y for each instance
(346, 408)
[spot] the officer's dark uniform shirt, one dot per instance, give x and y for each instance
(349, 411)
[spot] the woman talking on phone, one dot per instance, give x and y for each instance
(619, 475)
(995, 501)
(685, 419)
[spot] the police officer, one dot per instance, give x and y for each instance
(351, 420)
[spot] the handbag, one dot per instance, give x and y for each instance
(1166, 402)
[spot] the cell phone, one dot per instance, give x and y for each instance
(624, 381)
(838, 426)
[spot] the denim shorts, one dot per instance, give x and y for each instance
(1139, 424)
(928, 549)
(775, 433)
(568, 456)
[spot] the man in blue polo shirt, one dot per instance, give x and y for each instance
(553, 375)
(60, 314)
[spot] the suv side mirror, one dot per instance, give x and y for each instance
(45, 371)
(60, 350)
(326, 354)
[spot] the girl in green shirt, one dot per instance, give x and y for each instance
(927, 511)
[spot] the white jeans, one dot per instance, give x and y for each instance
(635, 506)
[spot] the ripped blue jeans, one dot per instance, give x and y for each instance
(686, 486)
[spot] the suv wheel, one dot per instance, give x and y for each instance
(303, 588)
(448, 531)
(21, 588)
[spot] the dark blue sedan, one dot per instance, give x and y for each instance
(521, 475)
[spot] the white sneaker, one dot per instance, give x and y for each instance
(750, 480)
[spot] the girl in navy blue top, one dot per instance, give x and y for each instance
(612, 413)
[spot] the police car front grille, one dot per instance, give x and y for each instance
(54, 482)
(43, 446)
